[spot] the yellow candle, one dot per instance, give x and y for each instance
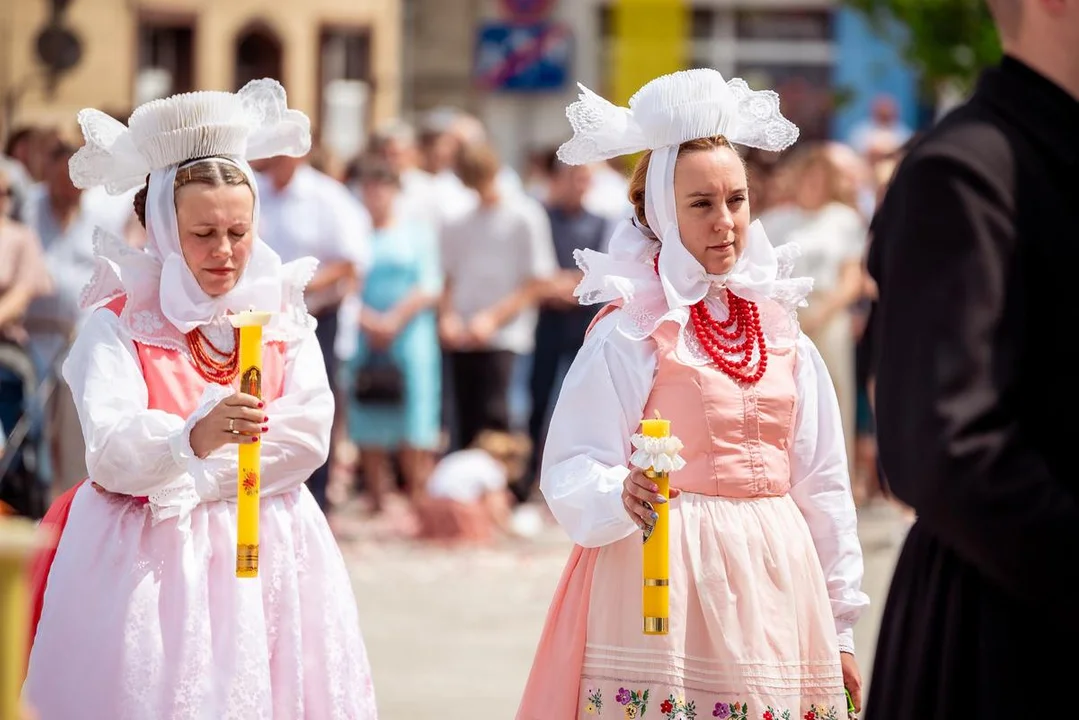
(248, 473)
(656, 591)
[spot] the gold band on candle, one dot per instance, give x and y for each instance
(248, 471)
(656, 625)
(247, 560)
(656, 582)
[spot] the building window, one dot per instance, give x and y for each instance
(166, 51)
(346, 54)
(345, 89)
(784, 25)
(259, 54)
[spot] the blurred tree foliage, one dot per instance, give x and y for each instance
(948, 41)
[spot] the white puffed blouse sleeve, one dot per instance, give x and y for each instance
(820, 486)
(130, 449)
(586, 454)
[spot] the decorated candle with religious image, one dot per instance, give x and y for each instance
(248, 473)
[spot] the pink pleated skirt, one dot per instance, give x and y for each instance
(751, 628)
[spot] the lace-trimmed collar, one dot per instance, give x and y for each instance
(626, 275)
(123, 270)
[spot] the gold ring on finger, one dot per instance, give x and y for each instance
(232, 426)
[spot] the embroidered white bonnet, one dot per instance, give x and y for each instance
(252, 124)
(674, 109)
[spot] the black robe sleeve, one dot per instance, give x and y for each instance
(950, 331)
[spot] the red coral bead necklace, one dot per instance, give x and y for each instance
(730, 343)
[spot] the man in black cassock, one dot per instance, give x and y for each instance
(976, 255)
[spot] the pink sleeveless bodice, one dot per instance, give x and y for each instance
(175, 386)
(736, 436)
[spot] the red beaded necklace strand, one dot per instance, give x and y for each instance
(221, 372)
(730, 343)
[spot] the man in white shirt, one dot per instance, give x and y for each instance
(496, 259)
(446, 134)
(306, 213)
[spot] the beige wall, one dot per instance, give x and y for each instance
(440, 52)
(107, 29)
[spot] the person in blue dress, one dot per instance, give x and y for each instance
(394, 377)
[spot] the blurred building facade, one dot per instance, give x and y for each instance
(811, 51)
(338, 59)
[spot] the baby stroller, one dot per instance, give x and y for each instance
(22, 488)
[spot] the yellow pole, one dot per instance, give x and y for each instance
(248, 473)
(18, 539)
(656, 560)
(650, 39)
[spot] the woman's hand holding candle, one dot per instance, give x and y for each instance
(239, 418)
(637, 490)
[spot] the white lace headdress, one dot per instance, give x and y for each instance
(160, 137)
(666, 112)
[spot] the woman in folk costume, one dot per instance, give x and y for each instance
(765, 563)
(143, 615)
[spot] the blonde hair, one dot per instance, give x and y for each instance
(510, 449)
(820, 156)
(639, 179)
(215, 172)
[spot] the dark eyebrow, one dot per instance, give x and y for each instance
(707, 194)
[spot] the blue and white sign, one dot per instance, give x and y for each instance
(523, 58)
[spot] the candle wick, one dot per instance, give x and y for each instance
(658, 416)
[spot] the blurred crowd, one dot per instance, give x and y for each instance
(444, 300)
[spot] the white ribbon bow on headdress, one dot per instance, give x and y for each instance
(662, 115)
(160, 137)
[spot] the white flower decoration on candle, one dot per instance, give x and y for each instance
(659, 454)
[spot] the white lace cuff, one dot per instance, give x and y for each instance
(846, 637)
